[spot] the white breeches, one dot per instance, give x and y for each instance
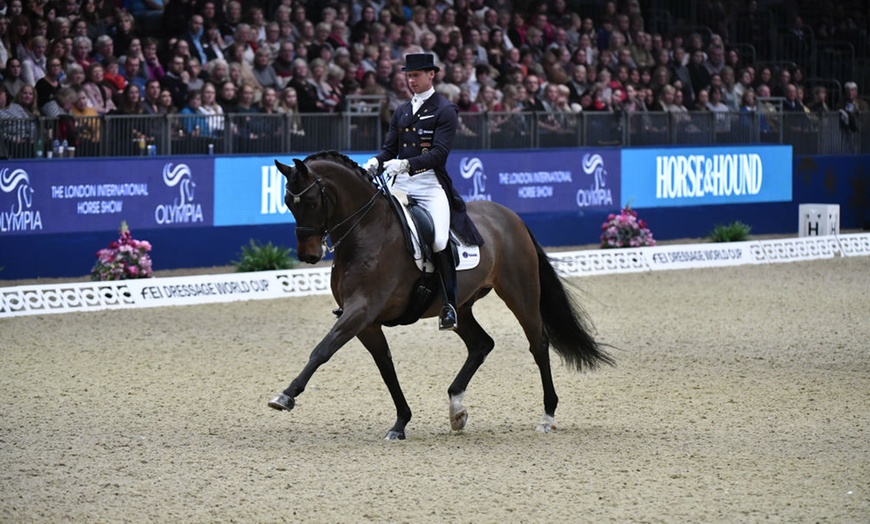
(427, 191)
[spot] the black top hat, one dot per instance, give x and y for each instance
(420, 62)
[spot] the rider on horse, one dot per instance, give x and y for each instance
(415, 153)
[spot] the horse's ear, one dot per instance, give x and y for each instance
(285, 170)
(300, 167)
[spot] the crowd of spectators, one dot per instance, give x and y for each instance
(215, 57)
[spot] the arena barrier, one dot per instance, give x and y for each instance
(208, 289)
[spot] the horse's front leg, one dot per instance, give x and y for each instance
(376, 343)
(344, 329)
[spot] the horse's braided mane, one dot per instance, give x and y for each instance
(339, 158)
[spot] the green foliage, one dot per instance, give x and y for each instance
(258, 257)
(734, 232)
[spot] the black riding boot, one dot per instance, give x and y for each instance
(447, 320)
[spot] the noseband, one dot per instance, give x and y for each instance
(324, 231)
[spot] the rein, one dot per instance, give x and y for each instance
(324, 230)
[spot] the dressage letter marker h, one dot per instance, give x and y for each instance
(818, 220)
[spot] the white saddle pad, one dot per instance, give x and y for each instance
(469, 256)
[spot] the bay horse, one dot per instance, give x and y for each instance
(373, 276)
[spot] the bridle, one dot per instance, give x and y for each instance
(324, 231)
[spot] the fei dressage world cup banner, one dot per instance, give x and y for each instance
(539, 181)
(699, 176)
(96, 195)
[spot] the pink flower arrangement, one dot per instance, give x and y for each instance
(125, 258)
(625, 230)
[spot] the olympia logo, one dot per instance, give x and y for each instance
(21, 216)
(183, 209)
(598, 193)
(472, 168)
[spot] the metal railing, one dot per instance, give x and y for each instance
(118, 136)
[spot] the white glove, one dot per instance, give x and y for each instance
(371, 164)
(396, 167)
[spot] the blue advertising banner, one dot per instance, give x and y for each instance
(250, 190)
(706, 175)
(539, 181)
(96, 195)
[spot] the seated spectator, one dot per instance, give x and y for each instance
(134, 49)
(820, 100)
(193, 123)
(263, 71)
(765, 107)
(791, 102)
(88, 121)
(194, 75)
(749, 107)
(283, 64)
(104, 48)
(33, 65)
(134, 73)
(702, 100)
(151, 100)
(57, 49)
(218, 71)
(193, 36)
(62, 103)
(48, 85)
(242, 74)
(124, 32)
(723, 112)
(305, 88)
(288, 105)
(851, 104)
(75, 75)
(112, 77)
(166, 102)
(24, 104)
(244, 41)
(272, 41)
(151, 61)
(211, 109)
(130, 101)
(212, 42)
(233, 17)
(81, 51)
(12, 82)
(269, 126)
(245, 124)
(174, 83)
(227, 96)
(730, 93)
(532, 102)
(17, 124)
(99, 96)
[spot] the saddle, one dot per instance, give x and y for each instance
(419, 232)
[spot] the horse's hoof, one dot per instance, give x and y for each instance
(547, 425)
(544, 428)
(393, 435)
(282, 403)
(459, 419)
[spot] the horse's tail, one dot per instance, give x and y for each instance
(566, 324)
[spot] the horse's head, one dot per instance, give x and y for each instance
(329, 195)
(306, 198)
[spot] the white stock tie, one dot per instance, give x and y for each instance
(416, 102)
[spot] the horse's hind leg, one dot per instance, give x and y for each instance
(479, 344)
(376, 343)
(518, 299)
